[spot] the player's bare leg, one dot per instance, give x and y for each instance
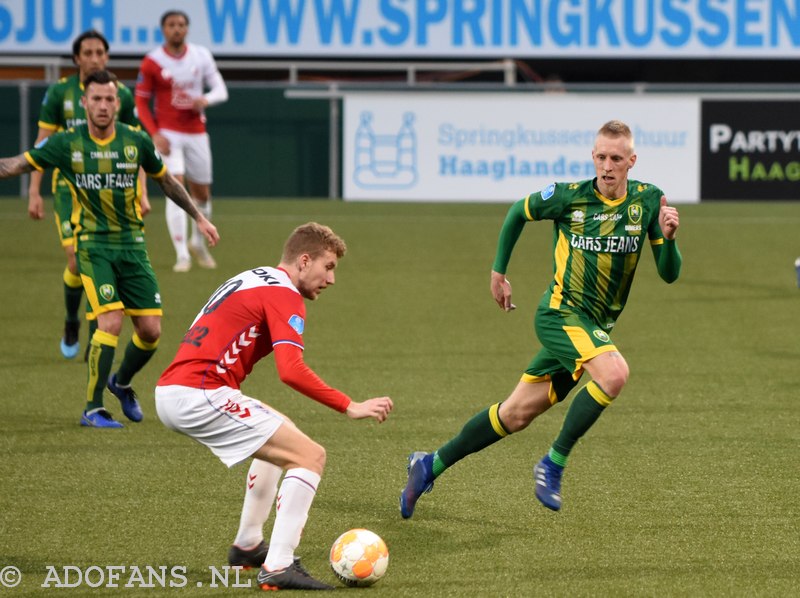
(303, 460)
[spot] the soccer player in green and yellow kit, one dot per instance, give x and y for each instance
(600, 228)
(62, 109)
(100, 161)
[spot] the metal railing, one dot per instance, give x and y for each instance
(53, 65)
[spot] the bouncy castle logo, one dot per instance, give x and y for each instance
(385, 160)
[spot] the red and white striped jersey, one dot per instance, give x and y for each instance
(174, 82)
(247, 318)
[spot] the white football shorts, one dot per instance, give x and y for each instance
(189, 155)
(229, 423)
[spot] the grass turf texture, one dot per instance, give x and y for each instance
(687, 486)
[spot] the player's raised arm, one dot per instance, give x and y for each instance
(668, 219)
(668, 257)
(217, 92)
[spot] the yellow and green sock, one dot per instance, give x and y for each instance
(484, 429)
(101, 359)
(73, 292)
(137, 354)
(587, 406)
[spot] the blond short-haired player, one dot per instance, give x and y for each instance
(258, 312)
(600, 228)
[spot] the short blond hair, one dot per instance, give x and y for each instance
(615, 129)
(314, 239)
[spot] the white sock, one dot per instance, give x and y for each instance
(205, 209)
(176, 224)
(259, 494)
(294, 501)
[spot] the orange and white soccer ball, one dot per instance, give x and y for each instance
(359, 557)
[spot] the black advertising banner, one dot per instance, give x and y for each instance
(750, 149)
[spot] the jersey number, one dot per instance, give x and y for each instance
(195, 335)
(222, 293)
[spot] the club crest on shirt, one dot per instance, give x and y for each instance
(131, 153)
(634, 213)
(106, 291)
(297, 323)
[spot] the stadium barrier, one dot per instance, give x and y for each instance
(294, 138)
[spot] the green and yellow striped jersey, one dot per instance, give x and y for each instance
(62, 109)
(596, 243)
(103, 178)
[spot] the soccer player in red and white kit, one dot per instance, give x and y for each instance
(174, 76)
(255, 313)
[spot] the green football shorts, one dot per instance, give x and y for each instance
(569, 339)
(119, 278)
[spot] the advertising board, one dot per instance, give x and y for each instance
(500, 147)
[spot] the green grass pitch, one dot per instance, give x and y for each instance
(688, 486)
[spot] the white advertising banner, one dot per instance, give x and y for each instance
(502, 146)
(463, 29)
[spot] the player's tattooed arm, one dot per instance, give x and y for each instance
(14, 166)
(177, 193)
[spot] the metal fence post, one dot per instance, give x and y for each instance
(333, 134)
(24, 137)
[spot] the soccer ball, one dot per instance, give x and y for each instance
(359, 557)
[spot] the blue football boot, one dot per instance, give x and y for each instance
(99, 418)
(127, 398)
(547, 476)
(420, 481)
(69, 342)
